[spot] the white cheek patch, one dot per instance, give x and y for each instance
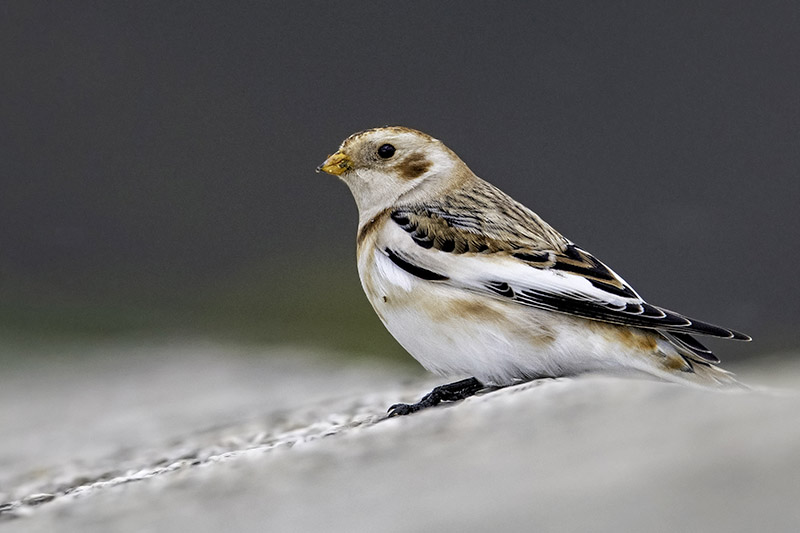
(441, 162)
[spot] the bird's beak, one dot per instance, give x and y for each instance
(336, 164)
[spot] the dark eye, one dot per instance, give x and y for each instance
(386, 151)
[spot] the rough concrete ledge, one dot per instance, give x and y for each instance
(210, 438)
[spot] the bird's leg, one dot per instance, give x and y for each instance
(452, 392)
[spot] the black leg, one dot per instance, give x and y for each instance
(452, 392)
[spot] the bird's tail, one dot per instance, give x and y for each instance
(703, 375)
(683, 359)
(710, 376)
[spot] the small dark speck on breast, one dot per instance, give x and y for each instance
(385, 299)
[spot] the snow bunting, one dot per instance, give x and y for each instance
(472, 283)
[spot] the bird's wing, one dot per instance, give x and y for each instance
(564, 279)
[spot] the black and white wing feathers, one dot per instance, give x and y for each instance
(552, 274)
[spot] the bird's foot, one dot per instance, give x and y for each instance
(452, 392)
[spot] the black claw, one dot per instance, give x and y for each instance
(452, 392)
(401, 409)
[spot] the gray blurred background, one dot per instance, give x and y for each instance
(157, 158)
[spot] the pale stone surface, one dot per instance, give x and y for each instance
(203, 437)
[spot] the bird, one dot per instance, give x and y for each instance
(473, 283)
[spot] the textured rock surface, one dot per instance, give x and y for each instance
(209, 438)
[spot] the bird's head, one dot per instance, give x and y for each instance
(382, 166)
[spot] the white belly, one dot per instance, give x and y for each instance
(454, 332)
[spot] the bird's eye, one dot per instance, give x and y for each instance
(386, 151)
